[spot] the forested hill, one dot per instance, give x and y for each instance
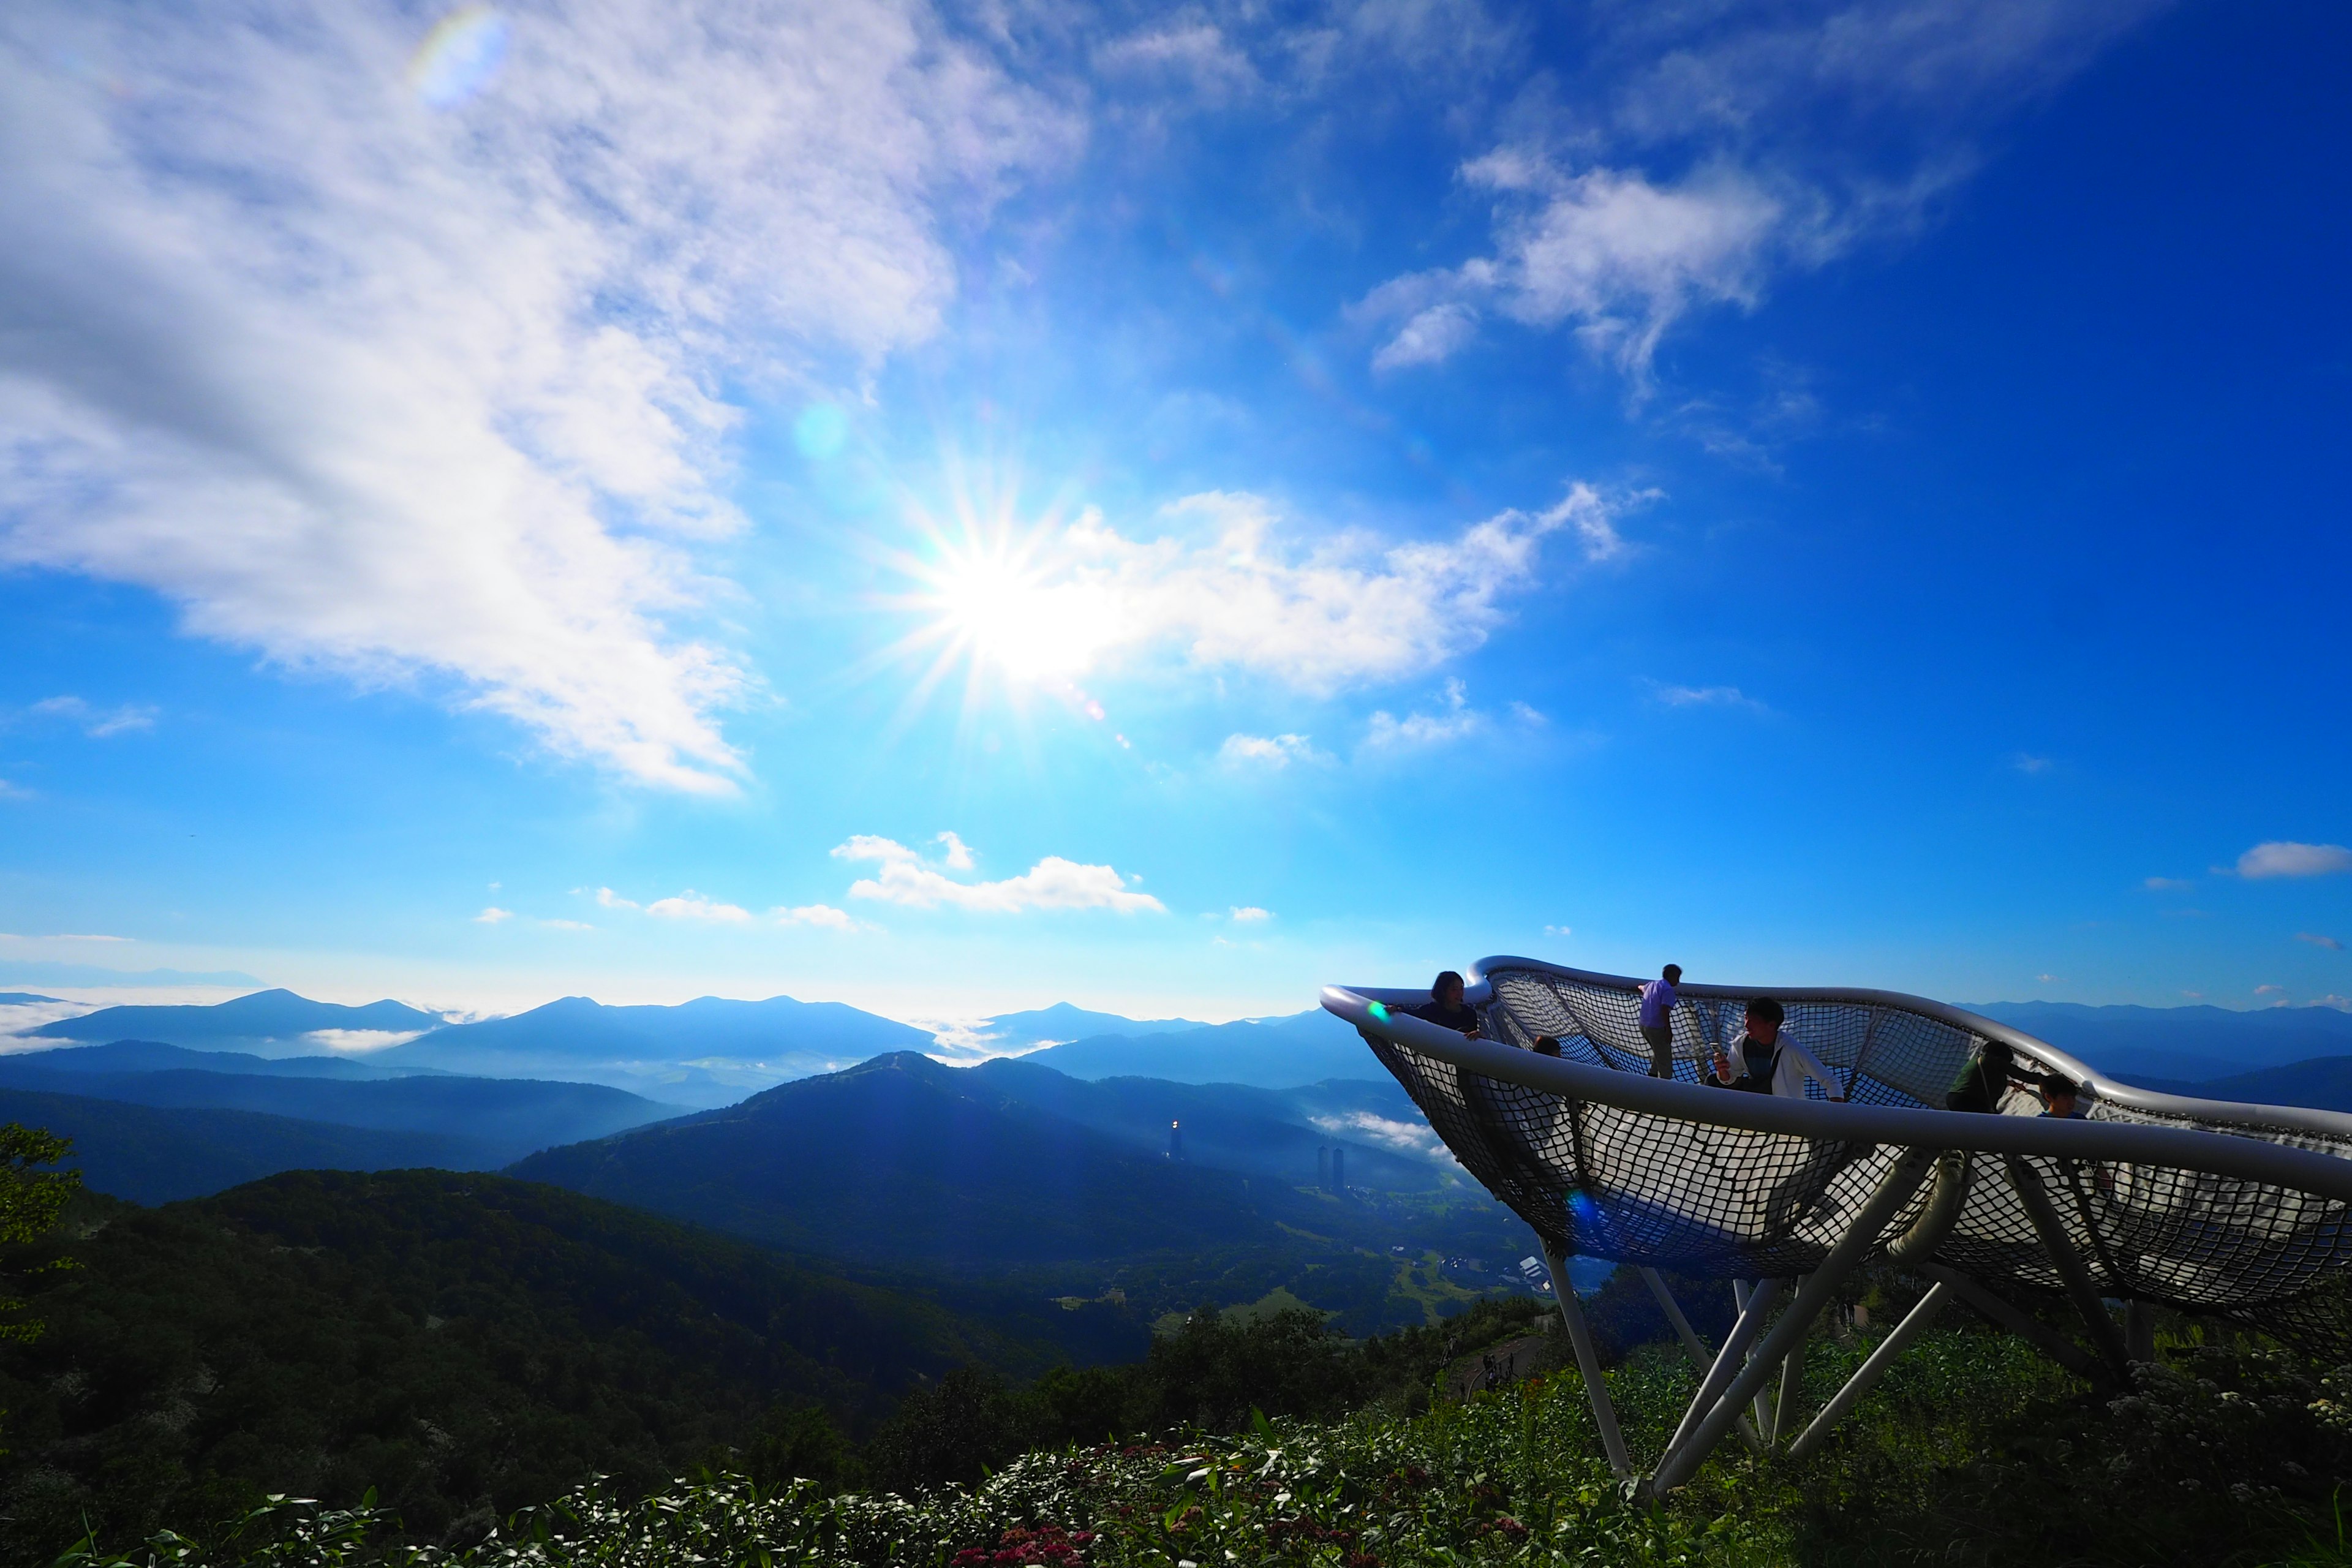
(457, 1342)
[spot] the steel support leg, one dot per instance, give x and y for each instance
(1673, 1311)
(1728, 1360)
(1760, 1407)
(1915, 1323)
(2139, 1331)
(2108, 1343)
(2025, 1326)
(1694, 1347)
(1793, 1388)
(1683, 1457)
(1588, 1362)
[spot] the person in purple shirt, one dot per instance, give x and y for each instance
(1658, 998)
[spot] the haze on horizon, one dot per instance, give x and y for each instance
(956, 509)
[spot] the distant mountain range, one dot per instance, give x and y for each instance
(265, 1019)
(707, 1052)
(1060, 1023)
(1274, 1053)
(2179, 1044)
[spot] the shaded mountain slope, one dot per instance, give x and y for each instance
(2324, 1083)
(462, 1342)
(501, 1119)
(154, 1055)
(1259, 1132)
(900, 1158)
(154, 1156)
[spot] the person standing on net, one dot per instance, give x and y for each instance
(1771, 1061)
(1658, 999)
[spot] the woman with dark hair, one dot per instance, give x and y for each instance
(1446, 1008)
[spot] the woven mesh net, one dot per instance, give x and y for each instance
(1599, 1181)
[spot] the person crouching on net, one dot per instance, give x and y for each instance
(1658, 998)
(2062, 1098)
(1770, 1059)
(1446, 1008)
(1983, 1083)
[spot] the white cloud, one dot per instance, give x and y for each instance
(1606, 252)
(814, 915)
(2167, 884)
(2289, 859)
(567, 925)
(2029, 765)
(1266, 750)
(1386, 732)
(1712, 148)
(493, 915)
(98, 723)
(692, 906)
(612, 901)
(435, 398)
(2341, 1004)
(1405, 1137)
(2270, 990)
(1705, 696)
(956, 854)
(1224, 588)
(1053, 883)
(1249, 914)
(1560, 931)
(2317, 940)
(1527, 714)
(1193, 53)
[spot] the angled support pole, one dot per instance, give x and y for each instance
(1694, 1347)
(1728, 1360)
(1673, 1309)
(1684, 1456)
(2068, 1262)
(1793, 1388)
(1587, 1363)
(1915, 1323)
(2140, 1330)
(2025, 1326)
(1760, 1407)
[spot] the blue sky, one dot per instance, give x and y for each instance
(952, 509)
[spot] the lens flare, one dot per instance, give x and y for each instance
(459, 57)
(820, 431)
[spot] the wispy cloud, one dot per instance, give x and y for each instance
(98, 722)
(1720, 151)
(1703, 697)
(433, 395)
(2285, 858)
(1250, 914)
(1458, 721)
(2317, 940)
(1560, 931)
(493, 915)
(823, 915)
(1266, 751)
(2029, 764)
(2167, 884)
(1053, 883)
(692, 906)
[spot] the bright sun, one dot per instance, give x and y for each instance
(1008, 613)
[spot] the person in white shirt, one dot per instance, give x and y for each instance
(1770, 1059)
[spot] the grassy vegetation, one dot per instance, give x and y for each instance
(1973, 1451)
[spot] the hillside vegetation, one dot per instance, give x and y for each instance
(459, 1343)
(1973, 1452)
